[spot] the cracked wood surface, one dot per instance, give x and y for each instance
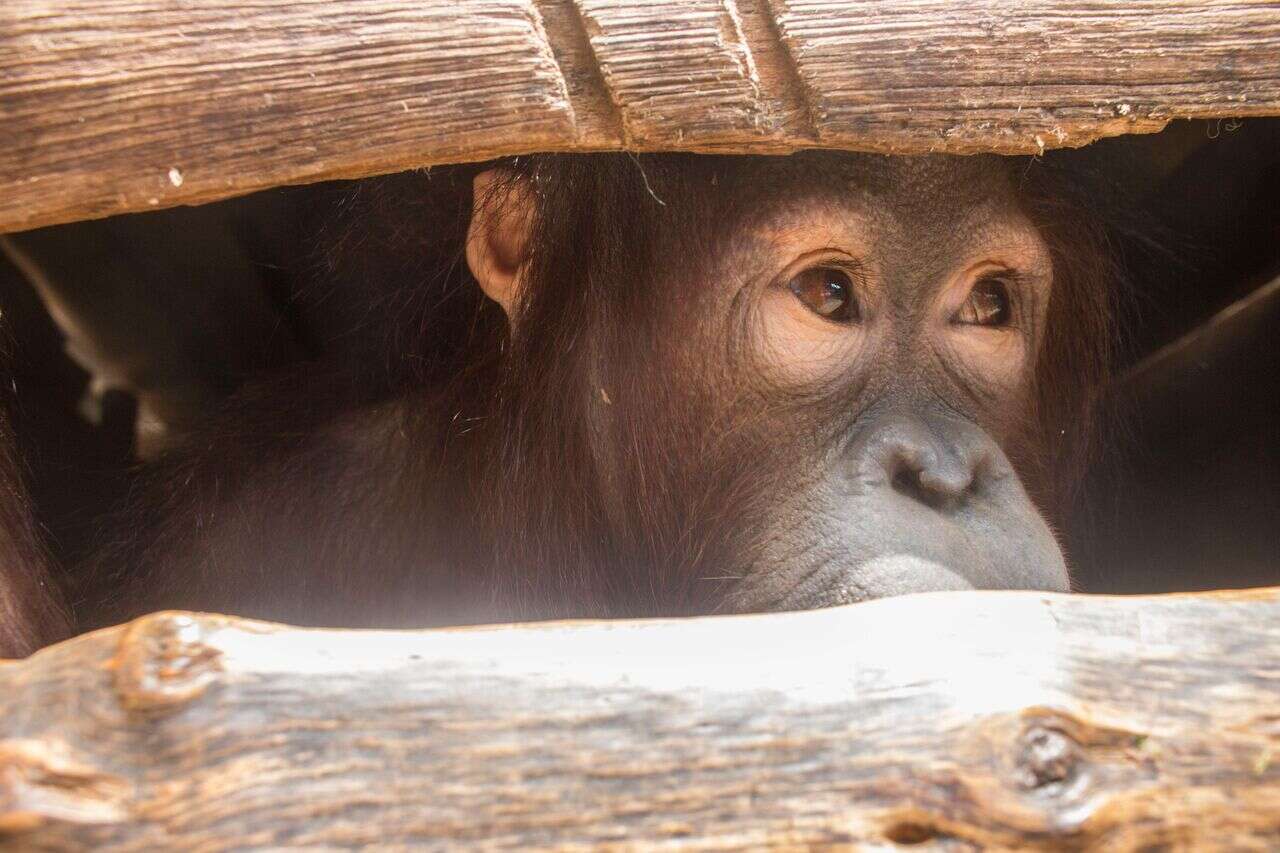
(959, 720)
(109, 106)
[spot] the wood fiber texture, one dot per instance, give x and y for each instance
(956, 720)
(110, 106)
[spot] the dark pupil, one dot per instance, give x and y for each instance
(990, 303)
(826, 291)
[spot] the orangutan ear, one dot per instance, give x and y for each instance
(498, 237)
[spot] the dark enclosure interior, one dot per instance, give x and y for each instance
(122, 326)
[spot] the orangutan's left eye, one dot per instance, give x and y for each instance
(988, 305)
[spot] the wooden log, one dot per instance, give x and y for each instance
(109, 106)
(967, 720)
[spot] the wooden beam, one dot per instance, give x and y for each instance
(973, 719)
(110, 106)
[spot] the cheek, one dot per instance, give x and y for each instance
(799, 350)
(996, 361)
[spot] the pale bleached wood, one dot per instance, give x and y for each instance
(964, 719)
(109, 106)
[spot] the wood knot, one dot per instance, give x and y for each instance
(42, 782)
(1047, 759)
(163, 663)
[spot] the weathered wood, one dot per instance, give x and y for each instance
(965, 719)
(109, 106)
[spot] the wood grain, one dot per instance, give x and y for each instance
(1016, 76)
(115, 105)
(962, 720)
(109, 106)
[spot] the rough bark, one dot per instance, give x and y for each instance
(108, 106)
(962, 719)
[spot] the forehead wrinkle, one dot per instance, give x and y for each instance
(998, 231)
(923, 201)
(947, 191)
(981, 221)
(804, 228)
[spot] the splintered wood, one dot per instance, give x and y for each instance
(109, 106)
(965, 720)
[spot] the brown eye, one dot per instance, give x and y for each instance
(987, 305)
(827, 292)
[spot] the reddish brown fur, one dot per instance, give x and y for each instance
(32, 612)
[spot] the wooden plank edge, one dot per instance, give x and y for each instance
(597, 125)
(992, 719)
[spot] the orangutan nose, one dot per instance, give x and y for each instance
(935, 461)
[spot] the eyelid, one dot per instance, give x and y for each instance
(1010, 276)
(823, 258)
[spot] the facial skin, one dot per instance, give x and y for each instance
(889, 326)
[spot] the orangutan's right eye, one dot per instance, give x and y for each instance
(827, 291)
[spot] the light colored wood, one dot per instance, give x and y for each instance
(967, 720)
(109, 106)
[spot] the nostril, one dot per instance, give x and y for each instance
(916, 485)
(939, 485)
(942, 463)
(929, 465)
